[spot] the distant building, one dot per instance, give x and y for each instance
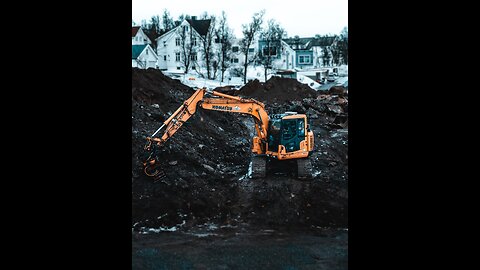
(144, 57)
(169, 45)
(139, 37)
(236, 54)
(305, 53)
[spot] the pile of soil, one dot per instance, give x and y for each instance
(277, 90)
(200, 160)
(207, 160)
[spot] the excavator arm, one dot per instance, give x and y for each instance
(177, 119)
(218, 102)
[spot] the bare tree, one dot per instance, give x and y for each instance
(152, 29)
(186, 45)
(249, 32)
(207, 43)
(167, 21)
(325, 56)
(143, 24)
(271, 38)
(343, 45)
(224, 37)
(335, 52)
(204, 16)
(215, 66)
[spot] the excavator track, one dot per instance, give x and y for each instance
(305, 168)
(259, 167)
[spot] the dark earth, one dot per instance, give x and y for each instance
(208, 214)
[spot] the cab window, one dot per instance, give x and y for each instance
(301, 128)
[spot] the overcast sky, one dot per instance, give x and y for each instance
(304, 18)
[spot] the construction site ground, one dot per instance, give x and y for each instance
(207, 213)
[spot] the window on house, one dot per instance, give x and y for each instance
(194, 41)
(178, 68)
(193, 67)
(177, 57)
(177, 42)
(164, 58)
(251, 50)
(146, 52)
(193, 57)
(235, 49)
(272, 52)
(234, 60)
(164, 44)
(304, 59)
(217, 40)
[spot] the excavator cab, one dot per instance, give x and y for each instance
(288, 132)
(290, 137)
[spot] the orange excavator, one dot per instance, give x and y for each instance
(284, 136)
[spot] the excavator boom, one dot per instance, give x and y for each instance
(220, 102)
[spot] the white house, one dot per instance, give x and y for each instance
(321, 48)
(307, 53)
(143, 56)
(285, 58)
(237, 57)
(139, 37)
(169, 46)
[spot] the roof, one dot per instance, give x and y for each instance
(295, 40)
(135, 30)
(201, 26)
(322, 41)
(137, 50)
(309, 42)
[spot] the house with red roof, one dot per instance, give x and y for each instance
(139, 37)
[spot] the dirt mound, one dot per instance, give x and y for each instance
(337, 90)
(207, 159)
(277, 90)
(199, 160)
(152, 86)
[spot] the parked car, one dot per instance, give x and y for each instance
(331, 77)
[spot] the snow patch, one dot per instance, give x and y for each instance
(311, 83)
(144, 230)
(162, 216)
(249, 173)
(201, 235)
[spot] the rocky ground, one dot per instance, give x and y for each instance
(207, 160)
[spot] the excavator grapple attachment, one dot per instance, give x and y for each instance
(153, 169)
